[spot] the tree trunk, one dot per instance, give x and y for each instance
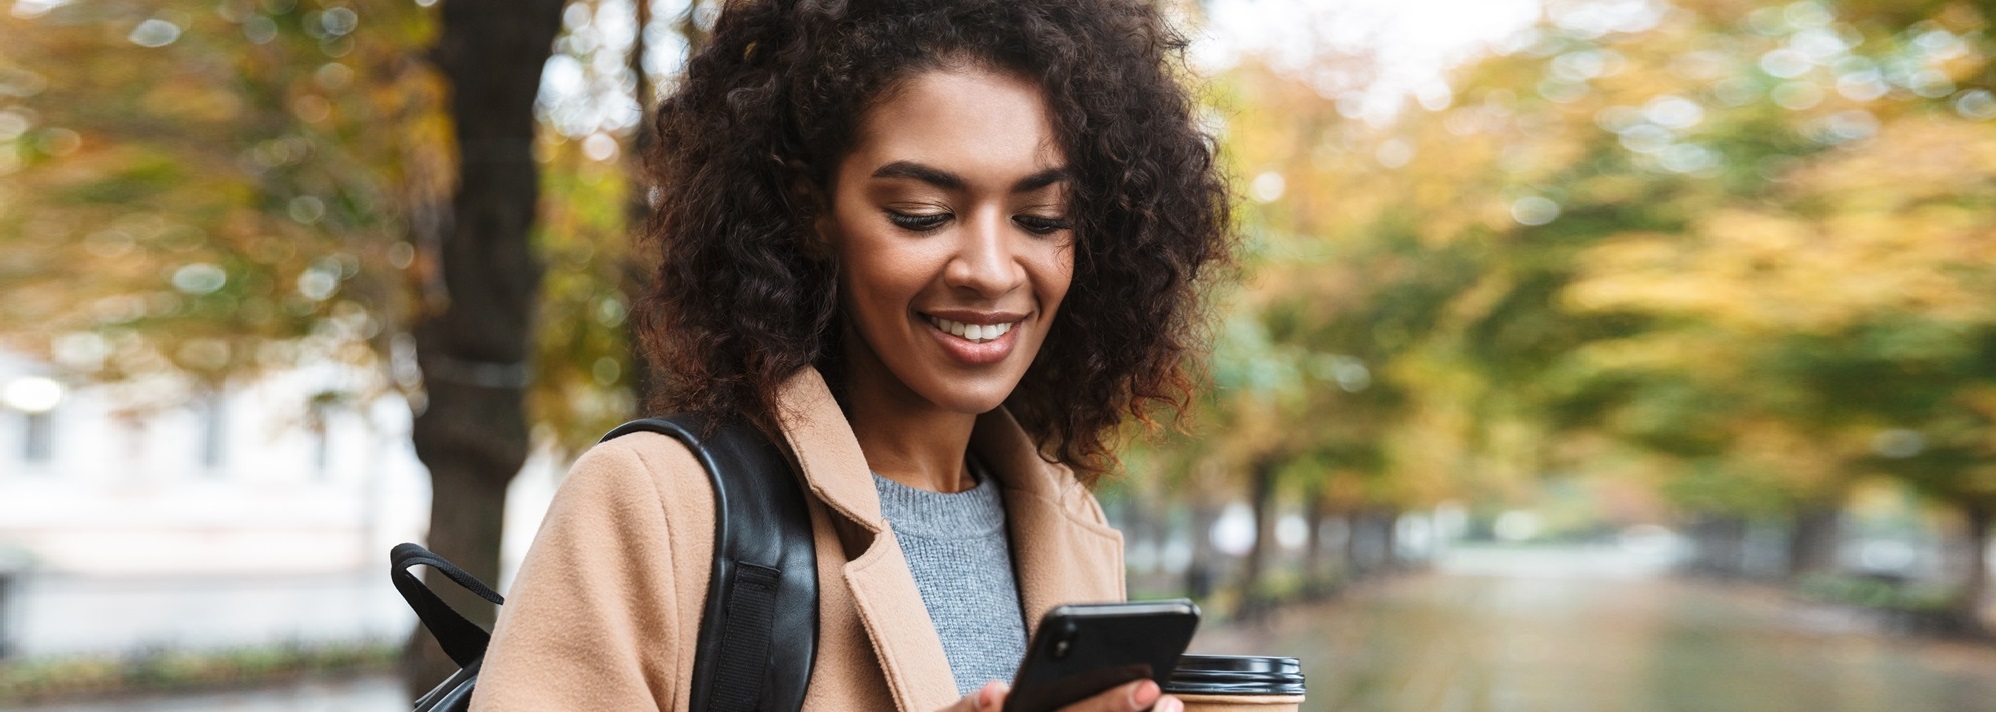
(1261, 496)
(1355, 564)
(1720, 540)
(1389, 538)
(1316, 577)
(473, 342)
(1967, 612)
(1140, 527)
(641, 256)
(1370, 548)
(1812, 546)
(1201, 573)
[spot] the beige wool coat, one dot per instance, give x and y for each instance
(605, 610)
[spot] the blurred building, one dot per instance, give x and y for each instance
(151, 515)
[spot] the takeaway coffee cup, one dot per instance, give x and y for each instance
(1237, 683)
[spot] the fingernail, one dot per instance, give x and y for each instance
(1143, 695)
(986, 695)
(1170, 704)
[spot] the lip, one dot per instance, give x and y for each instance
(968, 352)
(974, 316)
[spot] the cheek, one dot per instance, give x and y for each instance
(1053, 273)
(877, 271)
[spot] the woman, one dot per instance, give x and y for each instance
(939, 251)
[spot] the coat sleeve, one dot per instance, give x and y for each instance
(592, 621)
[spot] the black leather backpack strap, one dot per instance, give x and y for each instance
(461, 639)
(765, 574)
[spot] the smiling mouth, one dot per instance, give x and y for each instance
(974, 333)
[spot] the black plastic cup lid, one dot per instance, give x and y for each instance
(1236, 675)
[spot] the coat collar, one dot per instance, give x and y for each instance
(827, 452)
(1059, 554)
(835, 469)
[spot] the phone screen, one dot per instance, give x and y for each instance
(1082, 649)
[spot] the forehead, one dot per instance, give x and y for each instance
(968, 120)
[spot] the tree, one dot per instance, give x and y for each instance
(241, 210)
(287, 193)
(1537, 250)
(1876, 345)
(475, 333)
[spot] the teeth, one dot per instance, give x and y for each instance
(971, 332)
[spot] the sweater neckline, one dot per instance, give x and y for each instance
(975, 512)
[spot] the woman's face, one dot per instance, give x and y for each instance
(949, 219)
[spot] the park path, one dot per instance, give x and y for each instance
(1501, 631)
(367, 693)
(1581, 631)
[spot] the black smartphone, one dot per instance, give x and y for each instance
(1082, 649)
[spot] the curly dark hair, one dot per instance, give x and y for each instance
(741, 300)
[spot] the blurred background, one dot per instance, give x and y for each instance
(1587, 354)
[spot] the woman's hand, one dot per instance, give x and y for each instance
(1129, 697)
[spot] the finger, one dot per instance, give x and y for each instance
(1168, 703)
(991, 697)
(979, 701)
(1130, 697)
(1143, 695)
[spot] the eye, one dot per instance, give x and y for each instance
(1042, 225)
(917, 223)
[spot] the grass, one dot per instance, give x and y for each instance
(1874, 592)
(162, 670)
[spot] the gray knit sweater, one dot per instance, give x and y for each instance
(956, 547)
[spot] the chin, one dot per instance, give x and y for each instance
(970, 396)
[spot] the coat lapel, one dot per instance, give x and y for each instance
(1060, 554)
(890, 606)
(883, 591)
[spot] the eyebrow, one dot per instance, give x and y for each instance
(951, 181)
(1040, 180)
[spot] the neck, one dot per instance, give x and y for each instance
(905, 437)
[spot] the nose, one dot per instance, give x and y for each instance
(986, 260)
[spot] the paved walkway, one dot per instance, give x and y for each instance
(1576, 632)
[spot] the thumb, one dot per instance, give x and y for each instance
(991, 697)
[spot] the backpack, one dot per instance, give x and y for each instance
(764, 580)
